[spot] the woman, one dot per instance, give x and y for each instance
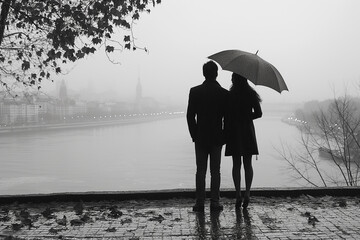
(244, 107)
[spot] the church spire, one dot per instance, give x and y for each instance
(63, 91)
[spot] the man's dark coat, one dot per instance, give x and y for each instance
(205, 114)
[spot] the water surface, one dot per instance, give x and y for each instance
(142, 156)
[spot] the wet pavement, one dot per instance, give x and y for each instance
(301, 217)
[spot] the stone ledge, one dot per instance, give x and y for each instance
(173, 193)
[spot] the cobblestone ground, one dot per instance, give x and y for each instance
(304, 217)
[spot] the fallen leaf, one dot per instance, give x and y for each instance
(342, 203)
(48, 213)
(113, 229)
(79, 208)
(24, 214)
(86, 218)
(127, 220)
(114, 212)
(55, 230)
(76, 222)
(158, 218)
(62, 221)
(16, 226)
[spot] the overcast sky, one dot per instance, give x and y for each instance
(313, 43)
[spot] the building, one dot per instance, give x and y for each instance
(144, 104)
(18, 112)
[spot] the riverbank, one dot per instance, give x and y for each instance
(115, 120)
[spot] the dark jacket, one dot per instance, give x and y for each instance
(240, 130)
(205, 113)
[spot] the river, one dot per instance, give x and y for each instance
(152, 155)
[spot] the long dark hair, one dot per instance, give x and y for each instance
(242, 90)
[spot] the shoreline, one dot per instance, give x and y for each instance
(87, 124)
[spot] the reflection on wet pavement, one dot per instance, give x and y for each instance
(240, 230)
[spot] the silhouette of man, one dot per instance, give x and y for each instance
(205, 118)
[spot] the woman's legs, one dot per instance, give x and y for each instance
(236, 174)
(249, 174)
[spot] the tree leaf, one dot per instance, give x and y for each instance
(126, 38)
(109, 48)
(96, 40)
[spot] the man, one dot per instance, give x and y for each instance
(205, 117)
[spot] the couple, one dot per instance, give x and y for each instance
(216, 116)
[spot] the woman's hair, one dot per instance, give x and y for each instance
(240, 85)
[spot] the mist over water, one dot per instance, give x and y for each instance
(151, 155)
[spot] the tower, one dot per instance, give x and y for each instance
(63, 96)
(138, 91)
(138, 98)
(63, 91)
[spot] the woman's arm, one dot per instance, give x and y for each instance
(257, 113)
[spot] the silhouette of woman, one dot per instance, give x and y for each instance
(244, 107)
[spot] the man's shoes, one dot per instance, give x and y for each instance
(198, 208)
(216, 207)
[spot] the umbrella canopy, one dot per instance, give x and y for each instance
(252, 67)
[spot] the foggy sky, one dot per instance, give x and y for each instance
(314, 45)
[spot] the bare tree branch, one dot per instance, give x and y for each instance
(335, 130)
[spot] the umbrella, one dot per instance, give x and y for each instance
(252, 67)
